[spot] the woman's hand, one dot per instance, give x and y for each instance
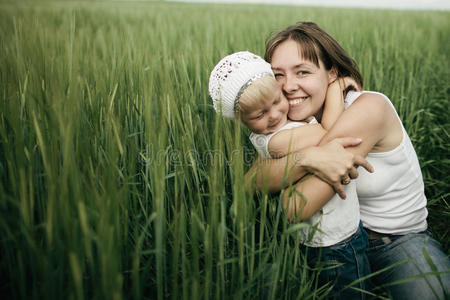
(332, 163)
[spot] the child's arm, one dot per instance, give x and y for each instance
(334, 104)
(292, 140)
(334, 101)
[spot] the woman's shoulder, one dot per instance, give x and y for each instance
(368, 100)
(376, 111)
(372, 111)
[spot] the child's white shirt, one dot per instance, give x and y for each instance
(337, 220)
(261, 141)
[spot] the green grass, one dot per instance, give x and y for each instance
(118, 181)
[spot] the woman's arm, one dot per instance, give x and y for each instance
(328, 161)
(369, 117)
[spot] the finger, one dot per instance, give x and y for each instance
(353, 173)
(346, 180)
(339, 189)
(360, 161)
(348, 141)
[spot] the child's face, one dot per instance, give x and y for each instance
(269, 116)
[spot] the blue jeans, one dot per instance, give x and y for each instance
(394, 249)
(350, 254)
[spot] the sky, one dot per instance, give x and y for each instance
(394, 4)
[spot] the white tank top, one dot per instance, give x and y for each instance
(337, 220)
(392, 199)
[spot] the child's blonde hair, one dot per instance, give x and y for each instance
(258, 93)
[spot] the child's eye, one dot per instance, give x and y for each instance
(259, 116)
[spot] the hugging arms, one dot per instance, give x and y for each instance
(337, 155)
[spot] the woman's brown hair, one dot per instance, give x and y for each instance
(316, 44)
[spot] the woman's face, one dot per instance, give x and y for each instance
(302, 82)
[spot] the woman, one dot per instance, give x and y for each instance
(392, 200)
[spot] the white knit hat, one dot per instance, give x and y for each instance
(231, 76)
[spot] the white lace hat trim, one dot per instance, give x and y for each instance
(231, 76)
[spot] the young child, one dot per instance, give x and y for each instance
(243, 87)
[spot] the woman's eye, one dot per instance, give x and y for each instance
(301, 72)
(278, 75)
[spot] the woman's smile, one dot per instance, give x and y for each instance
(294, 101)
(303, 82)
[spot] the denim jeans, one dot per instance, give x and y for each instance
(350, 254)
(394, 249)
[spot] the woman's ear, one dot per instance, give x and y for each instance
(332, 75)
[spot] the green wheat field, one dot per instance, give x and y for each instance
(118, 181)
